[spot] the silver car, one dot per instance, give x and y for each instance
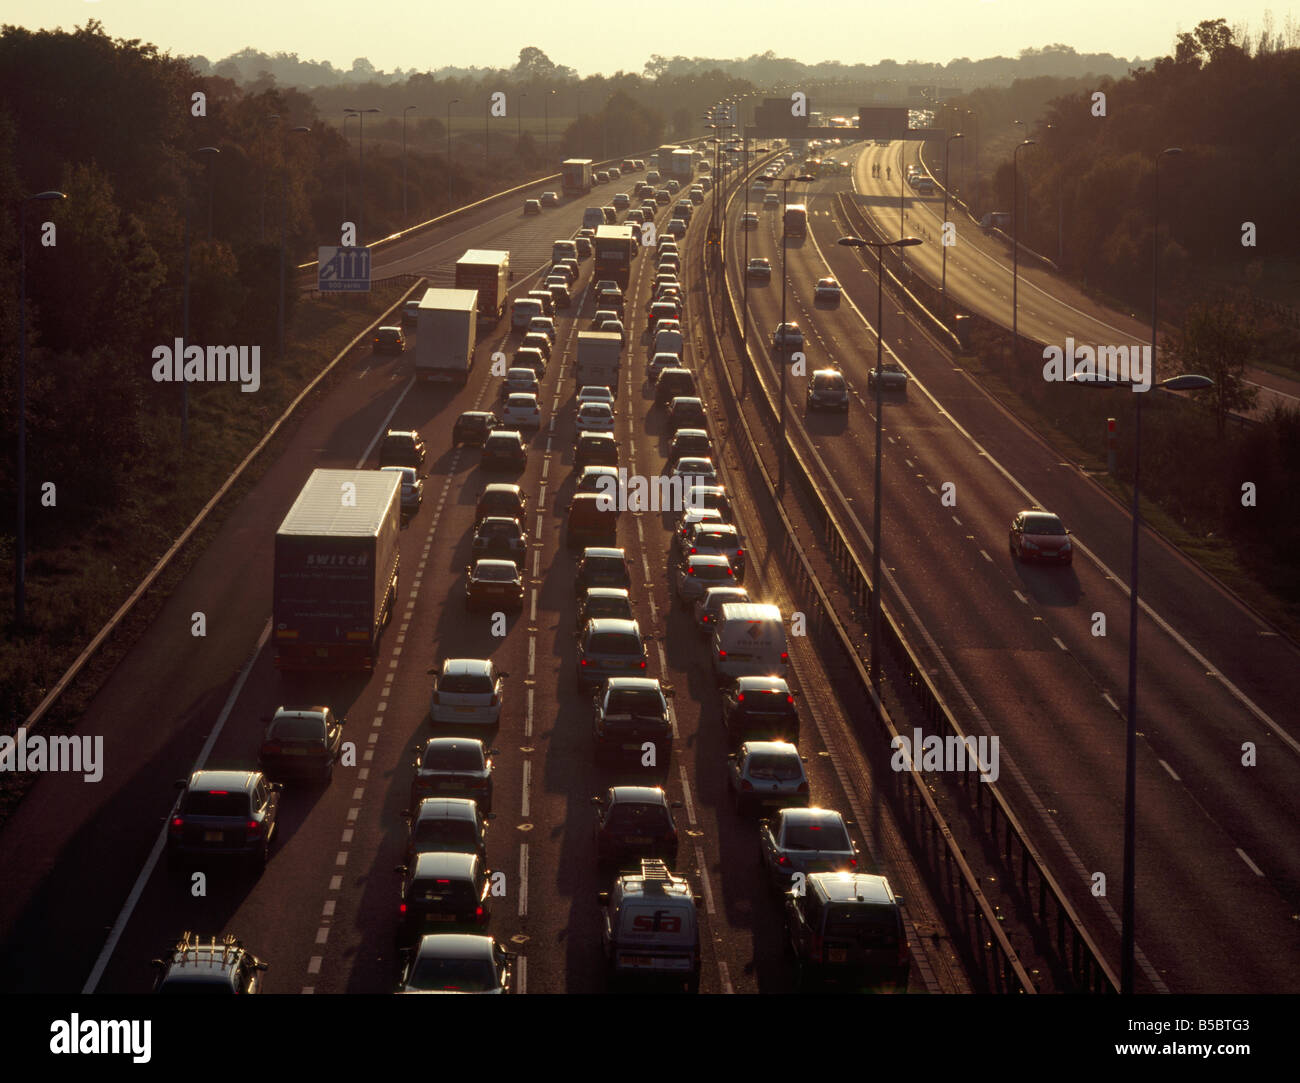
(805, 840)
(468, 690)
(710, 605)
(696, 574)
(767, 773)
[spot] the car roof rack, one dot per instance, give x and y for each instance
(655, 874)
(190, 945)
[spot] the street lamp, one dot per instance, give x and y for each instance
(404, 112)
(974, 194)
(782, 351)
(947, 184)
(1015, 248)
(454, 101)
(361, 167)
(284, 215)
(20, 557)
(487, 115)
(261, 224)
(546, 123)
(876, 584)
(209, 152)
(346, 117)
(519, 120)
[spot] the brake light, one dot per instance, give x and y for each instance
(729, 571)
(254, 828)
(745, 784)
(220, 793)
(722, 654)
(739, 553)
(178, 825)
(401, 908)
(442, 881)
(693, 552)
(582, 662)
(478, 913)
(783, 860)
(803, 788)
(690, 571)
(815, 948)
(785, 657)
(853, 862)
(643, 664)
(788, 699)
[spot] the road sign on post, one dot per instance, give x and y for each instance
(343, 270)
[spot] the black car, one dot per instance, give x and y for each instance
(603, 602)
(601, 567)
(848, 927)
(688, 441)
(494, 583)
(501, 498)
(401, 447)
(528, 357)
(628, 713)
(220, 966)
(301, 741)
(687, 412)
(504, 449)
(535, 340)
(458, 963)
(633, 822)
(497, 536)
(442, 892)
(472, 427)
(827, 390)
(673, 383)
(595, 449)
(389, 340)
(453, 767)
(223, 814)
(446, 825)
(760, 709)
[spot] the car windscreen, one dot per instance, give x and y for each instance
(776, 767)
(204, 803)
(453, 976)
(455, 757)
(823, 836)
(298, 728)
(456, 835)
(465, 683)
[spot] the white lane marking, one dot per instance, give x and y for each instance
(532, 654)
(1111, 700)
(341, 858)
(687, 801)
(528, 715)
(1172, 773)
(336, 883)
(523, 804)
(725, 974)
(313, 965)
(523, 879)
(1253, 867)
(146, 870)
(322, 934)
(986, 556)
(704, 880)
(1057, 641)
(1020, 597)
(521, 975)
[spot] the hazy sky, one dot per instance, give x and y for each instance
(594, 36)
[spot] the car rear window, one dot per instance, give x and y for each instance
(494, 573)
(206, 803)
(458, 757)
(443, 892)
(298, 728)
(776, 766)
(441, 834)
(640, 817)
(825, 382)
(825, 836)
(1043, 524)
(465, 683)
(453, 975)
(638, 704)
(613, 643)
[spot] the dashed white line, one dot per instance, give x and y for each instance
(528, 775)
(1253, 867)
(1020, 597)
(687, 801)
(704, 880)
(1172, 773)
(523, 879)
(986, 556)
(1111, 700)
(1057, 641)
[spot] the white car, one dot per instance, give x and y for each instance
(662, 361)
(467, 690)
(614, 327)
(694, 466)
(595, 417)
(666, 324)
(521, 411)
(767, 773)
(686, 523)
(544, 324)
(595, 393)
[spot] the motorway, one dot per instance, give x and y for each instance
(1014, 648)
(90, 902)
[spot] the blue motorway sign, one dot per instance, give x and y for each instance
(343, 270)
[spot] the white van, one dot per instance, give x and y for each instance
(749, 641)
(523, 310)
(668, 342)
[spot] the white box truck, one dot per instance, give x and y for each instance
(445, 328)
(599, 356)
(488, 272)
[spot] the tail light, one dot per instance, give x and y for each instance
(271, 746)
(729, 571)
(253, 828)
(177, 825)
(788, 699)
(783, 861)
(722, 654)
(693, 552)
(853, 862)
(582, 662)
(785, 657)
(478, 914)
(803, 788)
(745, 784)
(815, 948)
(740, 554)
(690, 571)
(643, 663)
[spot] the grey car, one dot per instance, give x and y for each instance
(805, 840)
(768, 774)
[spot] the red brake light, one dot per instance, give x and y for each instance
(254, 828)
(722, 654)
(853, 862)
(785, 657)
(478, 913)
(178, 823)
(583, 662)
(783, 860)
(740, 552)
(643, 665)
(690, 571)
(221, 793)
(789, 699)
(694, 550)
(442, 881)
(803, 788)
(401, 908)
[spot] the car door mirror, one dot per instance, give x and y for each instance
(596, 801)
(603, 898)
(400, 870)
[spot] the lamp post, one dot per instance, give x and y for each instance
(546, 123)
(876, 584)
(284, 216)
(1015, 249)
(454, 101)
(20, 556)
(947, 184)
(209, 152)
(972, 197)
(361, 168)
(487, 115)
(404, 211)
(519, 119)
(346, 117)
(783, 350)
(261, 224)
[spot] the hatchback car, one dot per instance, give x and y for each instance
(893, 377)
(701, 470)
(749, 220)
(223, 814)
(661, 361)
(687, 520)
(629, 713)
(521, 411)
(787, 336)
(301, 741)
(472, 427)
(687, 412)
(594, 393)
(674, 383)
(633, 822)
(532, 206)
(768, 774)
(451, 825)
(721, 538)
(504, 449)
(529, 357)
(550, 199)
(389, 340)
(621, 201)
(759, 708)
(689, 442)
(707, 607)
(805, 840)
(697, 573)
(584, 246)
(609, 647)
(827, 290)
(676, 227)
(446, 891)
(401, 447)
(539, 342)
(412, 489)
(601, 566)
(519, 380)
(589, 480)
(501, 498)
(221, 966)
(595, 449)
(591, 519)
(458, 963)
(759, 269)
(500, 538)
(1039, 535)
(453, 767)
(543, 324)
(594, 417)
(495, 583)
(827, 390)
(467, 691)
(613, 327)
(604, 602)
